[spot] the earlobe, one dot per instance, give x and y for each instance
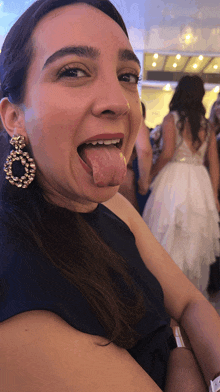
(12, 118)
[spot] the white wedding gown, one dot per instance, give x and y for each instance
(181, 212)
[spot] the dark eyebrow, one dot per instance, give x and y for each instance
(81, 51)
(128, 55)
(89, 52)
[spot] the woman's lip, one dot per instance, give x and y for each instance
(105, 136)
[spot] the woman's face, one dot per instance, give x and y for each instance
(81, 84)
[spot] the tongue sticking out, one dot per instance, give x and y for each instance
(108, 164)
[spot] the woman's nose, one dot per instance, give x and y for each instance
(111, 101)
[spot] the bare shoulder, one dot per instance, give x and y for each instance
(121, 207)
(169, 119)
(41, 352)
(168, 126)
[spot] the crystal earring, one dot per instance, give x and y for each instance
(28, 164)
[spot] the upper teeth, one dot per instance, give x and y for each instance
(106, 142)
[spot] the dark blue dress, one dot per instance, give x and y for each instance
(27, 284)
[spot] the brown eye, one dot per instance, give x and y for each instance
(72, 73)
(129, 78)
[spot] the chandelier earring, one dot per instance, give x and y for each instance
(18, 156)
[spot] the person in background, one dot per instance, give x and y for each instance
(215, 123)
(87, 292)
(142, 163)
(182, 210)
(214, 117)
(127, 188)
(213, 288)
(136, 183)
(144, 155)
(157, 142)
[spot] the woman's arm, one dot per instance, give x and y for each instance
(183, 373)
(40, 352)
(169, 139)
(144, 154)
(183, 369)
(183, 302)
(202, 325)
(213, 164)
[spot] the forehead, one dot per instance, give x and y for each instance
(77, 24)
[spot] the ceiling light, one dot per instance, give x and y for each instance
(154, 64)
(188, 38)
(174, 65)
(215, 66)
(155, 56)
(178, 56)
(195, 66)
(216, 89)
(200, 57)
(167, 87)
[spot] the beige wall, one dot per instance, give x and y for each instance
(209, 98)
(157, 104)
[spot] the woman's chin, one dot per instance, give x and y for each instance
(102, 194)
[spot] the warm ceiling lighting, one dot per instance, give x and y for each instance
(195, 66)
(188, 38)
(156, 56)
(167, 87)
(178, 56)
(174, 65)
(216, 89)
(154, 64)
(200, 57)
(215, 66)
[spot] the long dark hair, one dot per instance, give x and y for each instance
(87, 261)
(187, 101)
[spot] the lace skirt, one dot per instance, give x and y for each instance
(182, 215)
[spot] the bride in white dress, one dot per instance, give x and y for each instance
(182, 210)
